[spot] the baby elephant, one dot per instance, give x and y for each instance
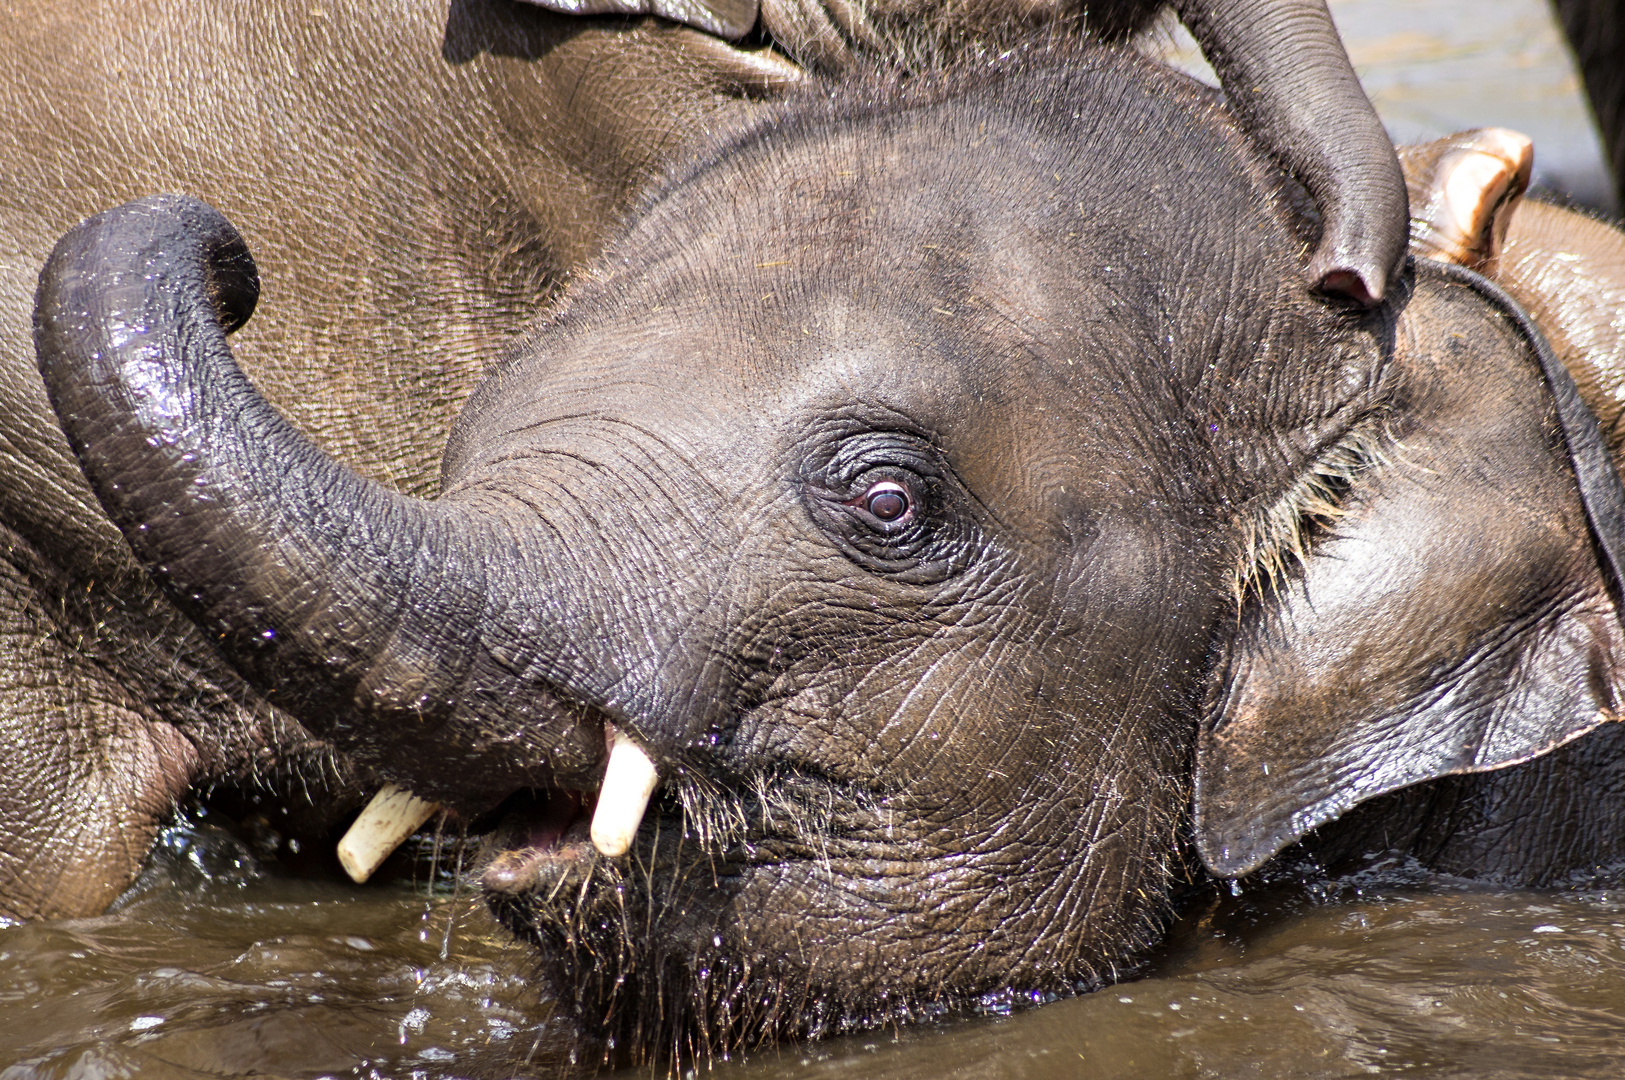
(941, 503)
(418, 179)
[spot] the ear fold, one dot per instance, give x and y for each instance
(1456, 618)
(1463, 192)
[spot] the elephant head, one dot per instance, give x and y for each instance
(1281, 64)
(926, 478)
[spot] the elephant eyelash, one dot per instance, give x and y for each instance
(1278, 537)
(934, 539)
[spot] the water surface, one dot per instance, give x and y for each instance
(1423, 977)
(253, 974)
(1392, 972)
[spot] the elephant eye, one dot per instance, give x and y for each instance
(891, 502)
(886, 501)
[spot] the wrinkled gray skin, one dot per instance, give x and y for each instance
(908, 759)
(416, 181)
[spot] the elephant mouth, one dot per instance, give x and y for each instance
(542, 842)
(546, 844)
(550, 841)
(547, 836)
(595, 805)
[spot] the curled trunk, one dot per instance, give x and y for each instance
(342, 601)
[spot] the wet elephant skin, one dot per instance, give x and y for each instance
(914, 516)
(416, 181)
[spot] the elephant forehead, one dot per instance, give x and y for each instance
(1025, 289)
(1021, 413)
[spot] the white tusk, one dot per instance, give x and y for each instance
(629, 780)
(392, 816)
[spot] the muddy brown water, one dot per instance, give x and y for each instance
(1390, 972)
(214, 968)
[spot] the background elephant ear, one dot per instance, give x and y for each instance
(1453, 617)
(730, 19)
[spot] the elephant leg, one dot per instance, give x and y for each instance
(1596, 30)
(88, 775)
(1568, 270)
(112, 710)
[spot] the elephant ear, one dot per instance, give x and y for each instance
(1458, 611)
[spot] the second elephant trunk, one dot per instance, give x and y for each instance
(1286, 73)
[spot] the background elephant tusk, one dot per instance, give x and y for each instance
(629, 780)
(392, 816)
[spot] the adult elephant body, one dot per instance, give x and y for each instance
(935, 488)
(416, 182)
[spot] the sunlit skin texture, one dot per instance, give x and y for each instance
(1569, 271)
(1280, 62)
(906, 763)
(416, 180)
